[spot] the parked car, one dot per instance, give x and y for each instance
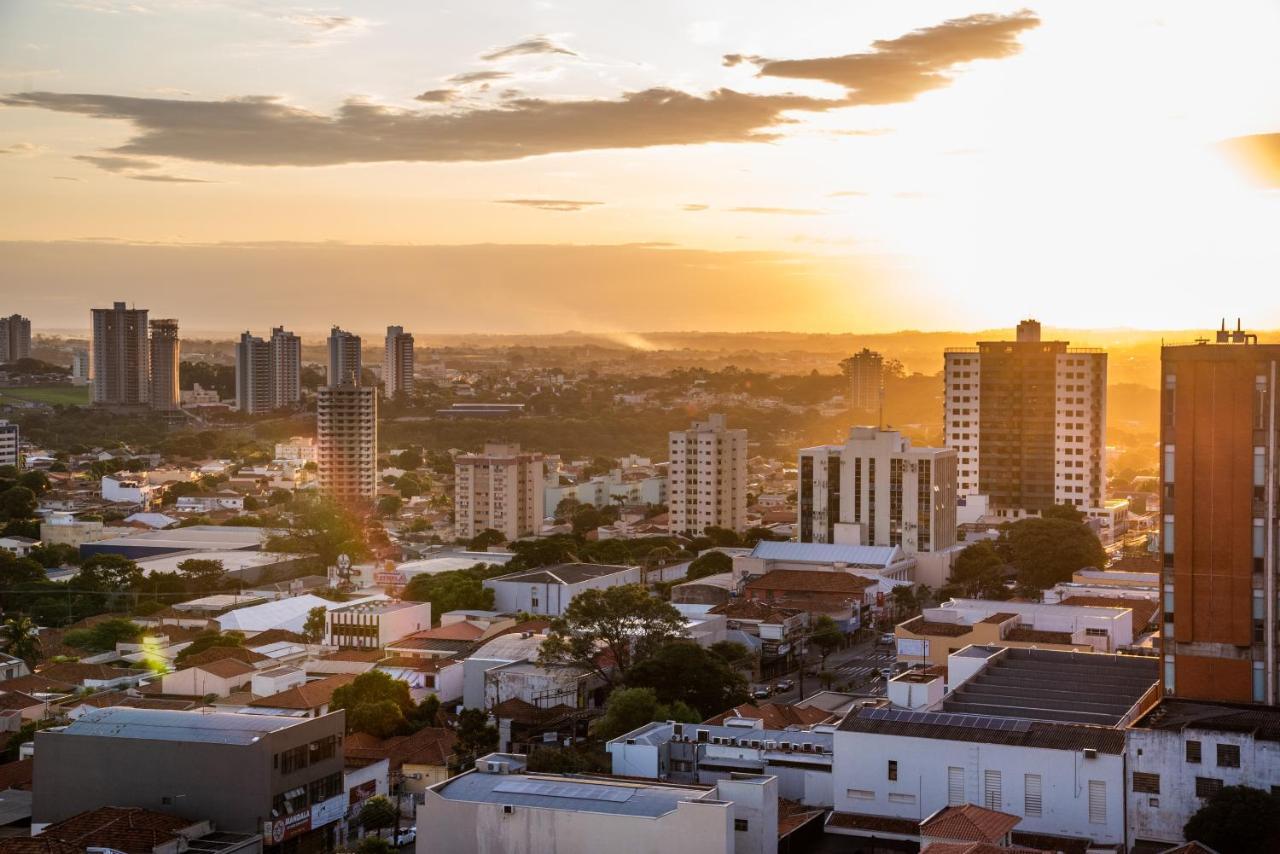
(408, 836)
(762, 693)
(888, 639)
(886, 673)
(784, 685)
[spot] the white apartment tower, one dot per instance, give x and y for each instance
(9, 442)
(253, 375)
(397, 363)
(878, 490)
(79, 367)
(15, 338)
(501, 489)
(865, 372)
(285, 353)
(119, 357)
(344, 357)
(1028, 420)
(347, 442)
(164, 360)
(707, 477)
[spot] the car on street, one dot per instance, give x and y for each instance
(408, 836)
(886, 673)
(784, 685)
(762, 693)
(887, 639)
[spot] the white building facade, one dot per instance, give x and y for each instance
(347, 442)
(707, 477)
(397, 363)
(502, 489)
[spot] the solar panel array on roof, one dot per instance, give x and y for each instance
(165, 725)
(581, 791)
(944, 719)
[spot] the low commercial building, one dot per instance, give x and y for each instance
(1183, 751)
(549, 589)
(498, 808)
(874, 562)
(210, 502)
(278, 776)
(131, 830)
(63, 528)
(129, 490)
(288, 614)
(375, 623)
(196, 538)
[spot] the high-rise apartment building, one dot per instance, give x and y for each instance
(15, 338)
(119, 357)
(79, 367)
(164, 360)
(253, 374)
(347, 442)
(268, 373)
(878, 490)
(10, 437)
(501, 489)
(707, 477)
(344, 357)
(865, 372)
(397, 363)
(1219, 426)
(1028, 420)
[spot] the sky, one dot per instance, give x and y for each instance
(608, 166)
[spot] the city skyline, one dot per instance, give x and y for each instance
(882, 171)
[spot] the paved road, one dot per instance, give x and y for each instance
(856, 666)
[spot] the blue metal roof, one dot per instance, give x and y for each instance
(576, 794)
(872, 556)
(166, 725)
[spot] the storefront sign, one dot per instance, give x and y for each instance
(328, 810)
(278, 830)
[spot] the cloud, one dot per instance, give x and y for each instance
(171, 179)
(477, 76)
(550, 204)
(319, 30)
(694, 208)
(325, 23)
(897, 70)
(113, 163)
(266, 132)
(847, 193)
(531, 46)
(64, 178)
(436, 96)
(729, 60)
(782, 211)
(21, 149)
(1258, 156)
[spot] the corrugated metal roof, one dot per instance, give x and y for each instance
(573, 794)
(877, 556)
(165, 725)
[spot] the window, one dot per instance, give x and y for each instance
(1228, 756)
(991, 797)
(1146, 783)
(739, 825)
(1033, 802)
(955, 787)
(1097, 802)
(326, 787)
(293, 759)
(893, 769)
(1096, 633)
(1207, 787)
(860, 794)
(901, 798)
(325, 748)
(290, 802)
(1193, 752)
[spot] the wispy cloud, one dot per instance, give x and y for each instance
(753, 209)
(467, 77)
(694, 207)
(436, 96)
(21, 149)
(531, 46)
(115, 163)
(550, 204)
(170, 179)
(839, 194)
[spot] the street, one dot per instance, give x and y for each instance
(855, 666)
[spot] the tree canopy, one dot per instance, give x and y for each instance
(1047, 551)
(630, 708)
(976, 571)
(709, 563)
(1237, 818)
(624, 623)
(375, 703)
(103, 636)
(684, 672)
(202, 574)
(459, 589)
(826, 635)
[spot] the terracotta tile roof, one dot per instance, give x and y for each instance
(423, 665)
(276, 636)
(978, 848)
(17, 701)
(1192, 847)
(311, 695)
(427, 746)
(874, 823)
(793, 815)
(16, 774)
(461, 630)
(811, 581)
(37, 684)
(42, 844)
(362, 655)
(776, 715)
(753, 609)
(226, 668)
(1143, 609)
(76, 672)
(969, 823)
(223, 653)
(921, 626)
(129, 829)
(523, 712)
(999, 617)
(1025, 635)
(100, 700)
(1049, 842)
(1044, 734)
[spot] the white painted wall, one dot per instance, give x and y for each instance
(861, 766)
(551, 599)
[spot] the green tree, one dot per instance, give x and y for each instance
(566, 508)
(313, 628)
(208, 641)
(904, 601)
(625, 622)
(409, 459)
(377, 813)
(103, 636)
(202, 575)
(476, 736)
(456, 590)
(722, 537)
(35, 480)
(586, 518)
(18, 502)
(1237, 818)
(488, 537)
(20, 637)
(543, 551)
(325, 529)
(52, 555)
(1065, 512)
(426, 713)
(374, 845)
(375, 703)
(1047, 551)
(627, 709)
(733, 653)
(681, 671)
(709, 563)
(108, 573)
(826, 636)
(389, 505)
(383, 718)
(976, 570)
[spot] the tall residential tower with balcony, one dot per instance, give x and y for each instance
(707, 477)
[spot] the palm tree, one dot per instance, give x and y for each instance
(20, 638)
